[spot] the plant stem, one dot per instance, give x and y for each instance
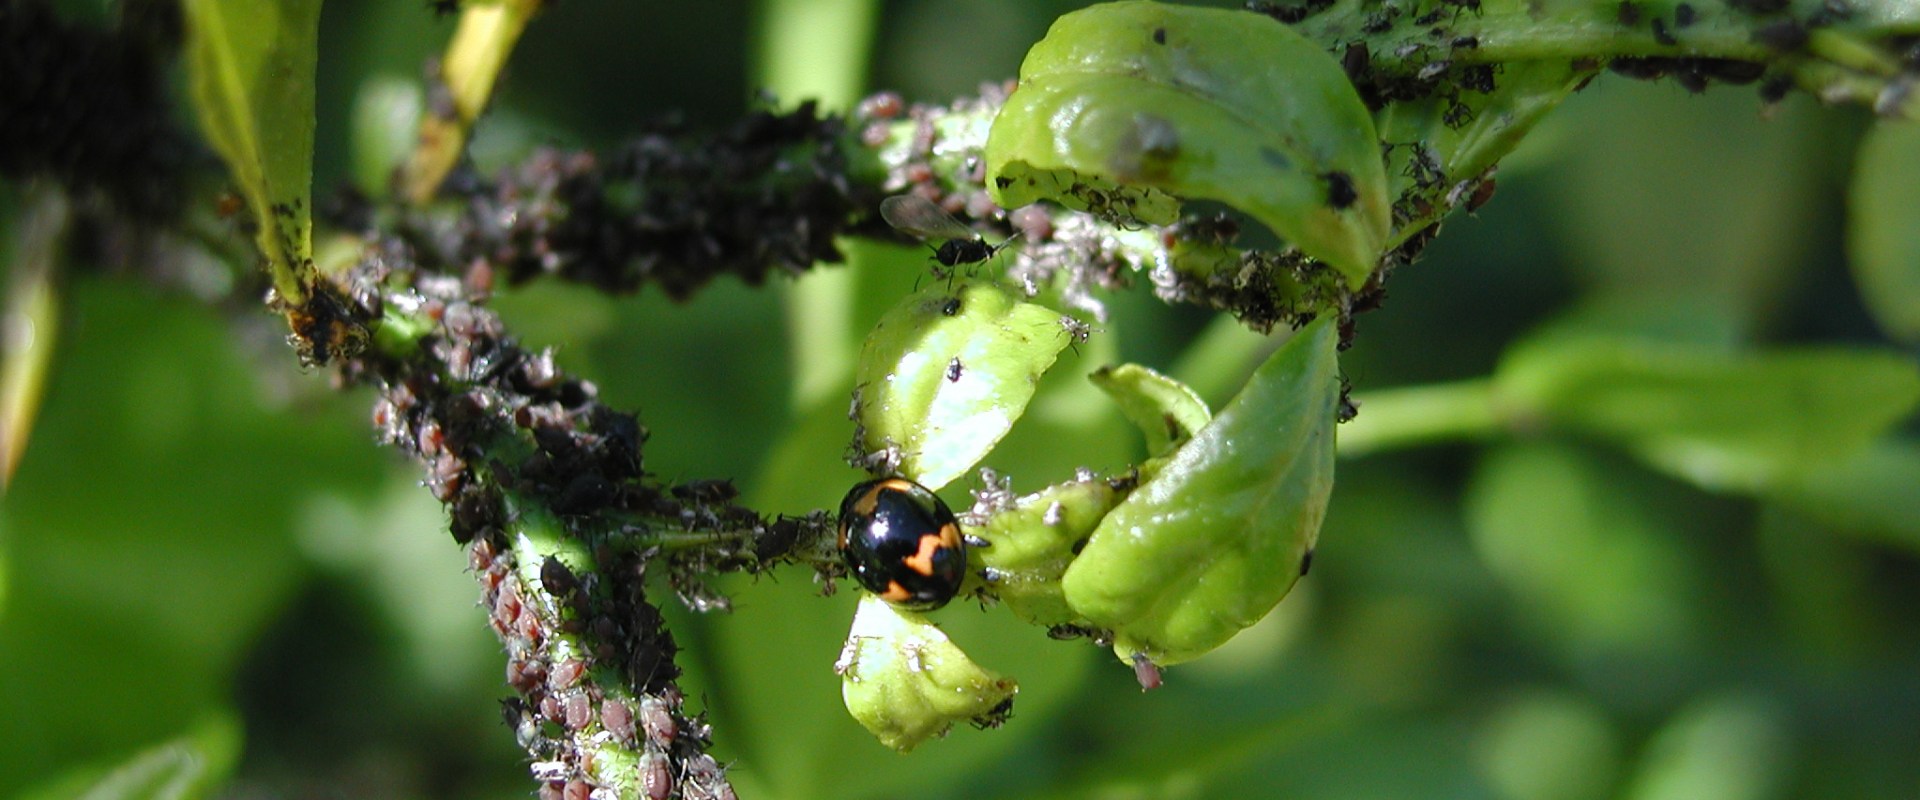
(1420, 415)
(475, 56)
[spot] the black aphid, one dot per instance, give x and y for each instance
(918, 217)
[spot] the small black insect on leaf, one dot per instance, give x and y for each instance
(918, 217)
(1340, 190)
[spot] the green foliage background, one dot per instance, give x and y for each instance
(203, 544)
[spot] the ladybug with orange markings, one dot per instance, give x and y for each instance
(902, 543)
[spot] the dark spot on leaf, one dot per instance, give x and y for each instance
(1306, 562)
(1357, 61)
(1683, 15)
(1340, 190)
(1275, 158)
(1159, 35)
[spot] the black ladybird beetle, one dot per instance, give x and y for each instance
(902, 543)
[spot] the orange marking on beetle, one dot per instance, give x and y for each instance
(869, 501)
(895, 592)
(922, 562)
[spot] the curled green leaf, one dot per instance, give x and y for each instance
(1166, 410)
(1210, 543)
(906, 682)
(1034, 538)
(1124, 104)
(944, 374)
(250, 64)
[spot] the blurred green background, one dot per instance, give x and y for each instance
(205, 556)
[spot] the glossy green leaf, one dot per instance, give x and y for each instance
(906, 682)
(1883, 237)
(1032, 541)
(1211, 543)
(1436, 160)
(195, 764)
(1720, 419)
(1166, 410)
(250, 64)
(945, 373)
(1195, 103)
(1524, 92)
(788, 734)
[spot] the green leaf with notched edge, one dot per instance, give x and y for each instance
(906, 682)
(1732, 421)
(1883, 217)
(1166, 410)
(1031, 542)
(945, 373)
(1212, 542)
(1159, 100)
(250, 64)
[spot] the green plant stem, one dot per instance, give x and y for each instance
(819, 49)
(475, 56)
(558, 654)
(1420, 415)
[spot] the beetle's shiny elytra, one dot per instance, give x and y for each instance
(902, 543)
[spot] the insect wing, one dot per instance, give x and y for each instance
(918, 216)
